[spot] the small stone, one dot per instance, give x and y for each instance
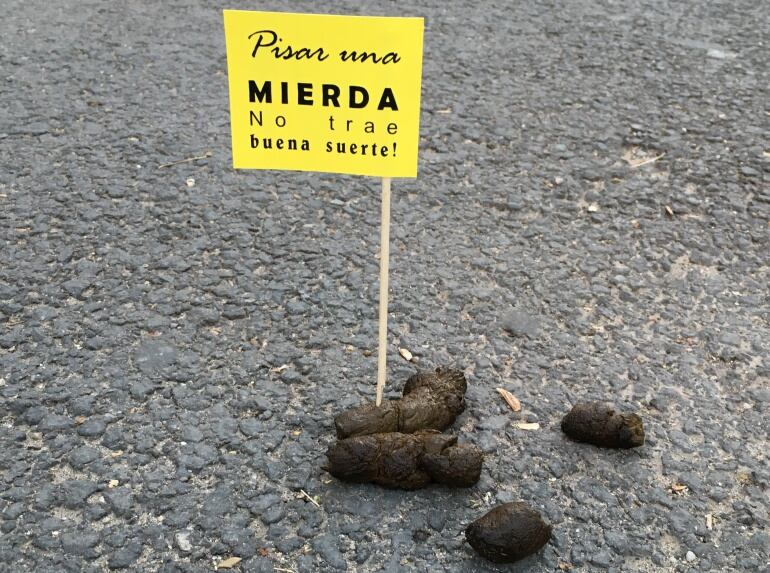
(45, 497)
(437, 520)
(251, 427)
(761, 541)
(74, 492)
(114, 438)
(288, 544)
(719, 54)
(55, 423)
(601, 559)
(79, 543)
(34, 414)
(192, 434)
(273, 514)
(16, 336)
(82, 456)
(519, 323)
(7, 527)
(183, 541)
(326, 547)
(125, 557)
(617, 541)
(557, 468)
(93, 427)
(690, 556)
(82, 406)
(232, 312)
(259, 565)
(296, 307)
(17, 493)
(154, 354)
(141, 388)
(761, 394)
(730, 339)
(96, 511)
(487, 441)
(494, 423)
(13, 511)
(75, 287)
(659, 558)
(291, 376)
(46, 541)
(206, 317)
(681, 521)
(120, 501)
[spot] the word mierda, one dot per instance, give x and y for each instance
(357, 97)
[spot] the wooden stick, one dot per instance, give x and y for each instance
(310, 499)
(647, 161)
(384, 256)
(188, 160)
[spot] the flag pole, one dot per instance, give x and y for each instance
(384, 256)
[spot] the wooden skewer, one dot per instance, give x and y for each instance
(384, 256)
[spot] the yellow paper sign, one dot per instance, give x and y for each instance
(313, 92)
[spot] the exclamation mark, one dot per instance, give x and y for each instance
(394, 149)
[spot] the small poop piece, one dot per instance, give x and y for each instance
(601, 425)
(431, 401)
(405, 461)
(508, 533)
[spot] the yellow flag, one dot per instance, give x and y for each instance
(312, 92)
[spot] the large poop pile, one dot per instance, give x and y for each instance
(399, 445)
(406, 461)
(431, 401)
(601, 425)
(509, 532)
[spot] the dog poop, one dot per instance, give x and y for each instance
(405, 461)
(431, 401)
(508, 533)
(601, 425)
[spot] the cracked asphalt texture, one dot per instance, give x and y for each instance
(590, 222)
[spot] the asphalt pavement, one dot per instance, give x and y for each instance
(591, 220)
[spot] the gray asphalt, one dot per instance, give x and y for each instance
(591, 221)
